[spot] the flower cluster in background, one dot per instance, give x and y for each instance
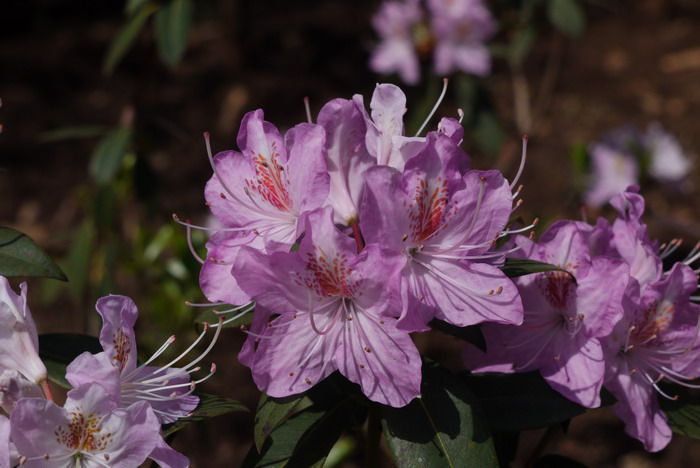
(453, 32)
(114, 412)
(623, 156)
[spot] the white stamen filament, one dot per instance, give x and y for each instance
(435, 107)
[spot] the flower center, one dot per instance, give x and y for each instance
(270, 180)
(83, 433)
(428, 209)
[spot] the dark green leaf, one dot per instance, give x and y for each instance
(109, 154)
(470, 334)
(521, 401)
(515, 267)
(57, 350)
(444, 428)
(567, 16)
(126, 37)
(683, 415)
(172, 27)
(557, 461)
(209, 406)
(72, 133)
(274, 411)
(21, 256)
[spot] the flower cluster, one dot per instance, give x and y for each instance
(611, 317)
(453, 31)
(618, 160)
(112, 416)
(349, 235)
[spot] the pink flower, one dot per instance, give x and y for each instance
(335, 312)
(167, 389)
(19, 343)
(461, 27)
(397, 53)
(655, 340)
(566, 315)
(90, 430)
(442, 224)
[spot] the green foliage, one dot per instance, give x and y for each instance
(520, 401)
(21, 256)
(443, 428)
(107, 158)
(567, 16)
(172, 27)
(209, 407)
(126, 37)
(515, 267)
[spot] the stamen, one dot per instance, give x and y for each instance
(523, 158)
(307, 107)
(435, 107)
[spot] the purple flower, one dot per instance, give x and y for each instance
(668, 162)
(394, 23)
(90, 430)
(167, 389)
(656, 339)
(261, 194)
(461, 27)
(566, 314)
(335, 312)
(442, 223)
(613, 170)
(19, 343)
(348, 157)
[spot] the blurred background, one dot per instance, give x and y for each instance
(104, 105)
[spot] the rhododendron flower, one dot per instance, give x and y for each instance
(19, 343)
(167, 389)
(442, 223)
(668, 161)
(89, 431)
(613, 170)
(394, 22)
(262, 193)
(460, 28)
(566, 314)
(655, 340)
(335, 312)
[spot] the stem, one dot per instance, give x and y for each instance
(47, 390)
(358, 236)
(374, 435)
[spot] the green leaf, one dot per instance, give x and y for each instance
(21, 256)
(471, 334)
(126, 37)
(444, 428)
(305, 439)
(683, 415)
(57, 350)
(521, 401)
(567, 16)
(272, 412)
(80, 132)
(172, 28)
(209, 407)
(109, 154)
(515, 267)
